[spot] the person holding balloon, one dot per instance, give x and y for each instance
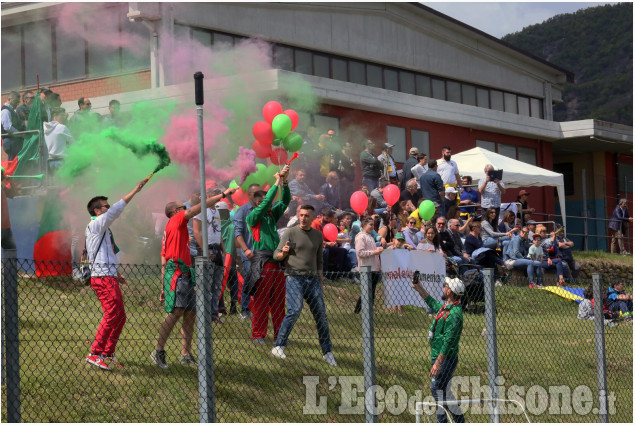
(265, 275)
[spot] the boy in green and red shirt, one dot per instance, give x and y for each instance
(265, 274)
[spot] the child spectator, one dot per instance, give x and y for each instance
(618, 300)
(399, 242)
(585, 309)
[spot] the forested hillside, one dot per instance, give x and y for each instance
(596, 44)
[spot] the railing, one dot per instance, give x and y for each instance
(40, 175)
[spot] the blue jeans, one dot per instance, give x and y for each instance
(371, 183)
(440, 391)
(556, 263)
(532, 267)
(490, 243)
(352, 257)
(309, 289)
(217, 285)
(621, 305)
(245, 297)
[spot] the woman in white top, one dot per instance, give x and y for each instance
(431, 242)
(419, 169)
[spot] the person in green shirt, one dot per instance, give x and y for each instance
(265, 275)
(444, 335)
(230, 274)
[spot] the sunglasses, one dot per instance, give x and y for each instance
(182, 207)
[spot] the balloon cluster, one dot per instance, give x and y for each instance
(276, 131)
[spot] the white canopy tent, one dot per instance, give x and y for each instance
(515, 173)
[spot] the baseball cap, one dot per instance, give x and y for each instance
(537, 236)
(450, 189)
(221, 205)
(413, 150)
(531, 221)
(456, 285)
(388, 145)
(400, 235)
(523, 192)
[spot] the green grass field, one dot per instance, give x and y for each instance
(540, 342)
(603, 255)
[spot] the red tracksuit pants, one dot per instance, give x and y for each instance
(269, 298)
(109, 294)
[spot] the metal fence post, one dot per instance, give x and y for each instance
(491, 343)
(368, 343)
(10, 327)
(600, 352)
(206, 391)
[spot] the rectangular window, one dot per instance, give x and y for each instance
(527, 155)
(202, 36)
(536, 108)
(38, 53)
(482, 98)
(438, 89)
(624, 178)
(391, 79)
(71, 56)
(373, 75)
(304, 120)
(357, 72)
(510, 103)
(496, 98)
(468, 93)
(303, 61)
(139, 58)
(223, 40)
(407, 82)
(421, 140)
(397, 136)
(454, 91)
(423, 86)
(321, 66)
(339, 69)
(105, 59)
(182, 32)
(325, 122)
(11, 58)
(566, 169)
(507, 150)
(283, 57)
(523, 105)
(490, 146)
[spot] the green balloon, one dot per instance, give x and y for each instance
(281, 125)
(276, 142)
(293, 142)
(426, 210)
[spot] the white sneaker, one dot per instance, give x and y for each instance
(328, 357)
(278, 351)
(509, 264)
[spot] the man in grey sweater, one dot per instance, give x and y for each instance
(301, 250)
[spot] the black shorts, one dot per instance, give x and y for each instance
(185, 293)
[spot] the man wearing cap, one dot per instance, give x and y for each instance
(444, 335)
(407, 167)
(390, 171)
(448, 169)
(524, 207)
(371, 166)
(450, 197)
(230, 273)
(491, 190)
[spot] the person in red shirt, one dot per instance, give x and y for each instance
(176, 272)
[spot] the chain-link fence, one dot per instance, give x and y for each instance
(545, 358)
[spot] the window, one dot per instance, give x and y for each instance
(71, 56)
(321, 66)
(566, 169)
(482, 98)
(507, 150)
(527, 155)
(11, 58)
(490, 146)
(407, 82)
(496, 98)
(283, 57)
(339, 69)
(454, 91)
(223, 40)
(391, 80)
(38, 53)
(536, 108)
(104, 59)
(139, 58)
(438, 89)
(357, 72)
(510, 103)
(397, 136)
(324, 122)
(423, 86)
(203, 37)
(421, 140)
(468, 93)
(303, 62)
(523, 105)
(373, 76)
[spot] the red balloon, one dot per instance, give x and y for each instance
(359, 202)
(330, 232)
(263, 132)
(262, 150)
(391, 194)
(294, 117)
(278, 156)
(270, 110)
(240, 197)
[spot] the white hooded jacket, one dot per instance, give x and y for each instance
(57, 138)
